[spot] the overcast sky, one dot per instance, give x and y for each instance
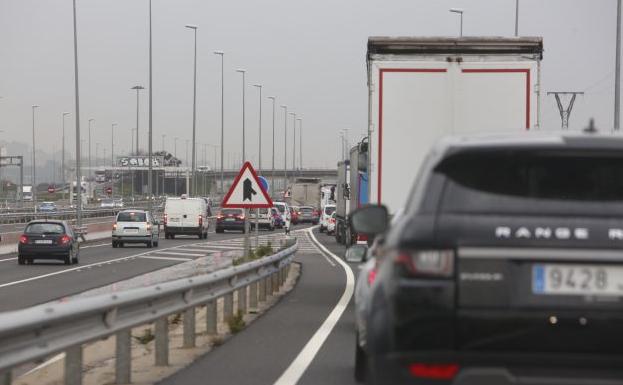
(310, 54)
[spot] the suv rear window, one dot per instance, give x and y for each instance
(328, 210)
(534, 181)
(45, 228)
(131, 217)
(281, 208)
(307, 209)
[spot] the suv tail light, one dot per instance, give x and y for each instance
(219, 216)
(23, 239)
(437, 263)
(148, 227)
(434, 371)
(65, 239)
(114, 226)
(164, 219)
(371, 276)
(200, 220)
(241, 217)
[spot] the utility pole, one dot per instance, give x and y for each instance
(565, 113)
(137, 88)
(617, 75)
(517, 17)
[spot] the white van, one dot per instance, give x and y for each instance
(185, 216)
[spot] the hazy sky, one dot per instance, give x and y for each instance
(309, 54)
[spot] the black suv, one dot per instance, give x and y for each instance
(505, 268)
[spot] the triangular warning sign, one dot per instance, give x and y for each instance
(246, 192)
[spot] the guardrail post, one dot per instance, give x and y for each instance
(262, 289)
(123, 357)
(6, 377)
(242, 300)
(162, 341)
(228, 306)
(253, 296)
(73, 365)
(269, 285)
(275, 283)
(189, 328)
(211, 317)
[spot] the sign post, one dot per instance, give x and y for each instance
(247, 192)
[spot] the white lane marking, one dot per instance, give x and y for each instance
(178, 253)
(189, 249)
(327, 258)
(91, 246)
(49, 362)
(37, 277)
(166, 258)
(295, 371)
(8, 259)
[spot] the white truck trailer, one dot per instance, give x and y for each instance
(421, 88)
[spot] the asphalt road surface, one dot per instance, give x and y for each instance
(27, 285)
(263, 353)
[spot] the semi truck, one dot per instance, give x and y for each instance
(305, 192)
(422, 88)
(342, 200)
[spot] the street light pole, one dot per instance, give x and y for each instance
(617, 69)
(137, 88)
(34, 164)
(516, 18)
(193, 164)
(77, 119)
(176, 161)
(293, 143)
(460, 12)
(244, 86)
(90, 120)
(300, 120)
(272, 174)
(259, 163)
(285, 147)
(150, 134)
(112, 145)
(222, 55)
(63, 155)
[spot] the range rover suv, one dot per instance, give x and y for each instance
(506, 266)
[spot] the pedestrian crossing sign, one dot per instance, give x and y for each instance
(247, 192)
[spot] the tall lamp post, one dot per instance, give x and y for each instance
(617, 71)
(193, 164)
(259, 163)
(516, 18)
(300, 120)
(460, 12)
(137, 88)
(244, 86)
(112, 145)
(285, 147)
(63, 154)
(222, 55)
(176, 164)
(34, 163)
(272, 173)
(90, 127)
(293, 143)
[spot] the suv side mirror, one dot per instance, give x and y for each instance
(370, 220)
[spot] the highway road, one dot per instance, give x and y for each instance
(264, 352)
(27, 285)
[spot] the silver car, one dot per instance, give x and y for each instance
(135, 226)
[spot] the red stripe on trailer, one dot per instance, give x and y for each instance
(508, 70)
(382, 71)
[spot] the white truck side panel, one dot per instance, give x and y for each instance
(416, 101)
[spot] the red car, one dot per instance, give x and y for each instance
(294, 215)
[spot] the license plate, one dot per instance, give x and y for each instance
(230, 219)
(555, 279)
(174, 219)
(43, 241)
(131, 231)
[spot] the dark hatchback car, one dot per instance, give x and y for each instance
(308, 215)
(48, 239)
(505, 268)
(230, 219)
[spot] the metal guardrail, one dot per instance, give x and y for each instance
(40, 331)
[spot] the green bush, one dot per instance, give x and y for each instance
(236, 323)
